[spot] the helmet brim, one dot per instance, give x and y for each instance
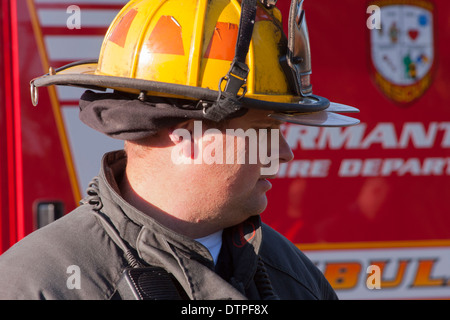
(312, 111)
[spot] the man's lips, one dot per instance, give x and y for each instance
(267, 177)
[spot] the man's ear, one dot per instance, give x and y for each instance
(182, 136)
(181, 130)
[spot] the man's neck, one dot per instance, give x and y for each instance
(192, 229)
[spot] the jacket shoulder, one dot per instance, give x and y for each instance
(294, 275)
(61, 261)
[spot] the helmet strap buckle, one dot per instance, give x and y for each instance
(236, 78)
(228, 102)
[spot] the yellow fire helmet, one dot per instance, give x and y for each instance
(224, 55)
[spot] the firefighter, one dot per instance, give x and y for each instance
(176, 214)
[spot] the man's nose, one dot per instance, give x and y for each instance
(285, 151)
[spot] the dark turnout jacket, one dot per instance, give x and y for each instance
(255, 261)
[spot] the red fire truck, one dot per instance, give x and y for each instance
(369, 204)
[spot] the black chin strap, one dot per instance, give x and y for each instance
(228, 101)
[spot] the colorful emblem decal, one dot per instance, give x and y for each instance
(402, 50)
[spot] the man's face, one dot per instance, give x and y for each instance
(227, 170)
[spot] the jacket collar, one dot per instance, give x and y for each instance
(188, 260)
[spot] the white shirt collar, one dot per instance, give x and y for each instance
(213, 243)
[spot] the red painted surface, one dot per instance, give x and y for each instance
(382, 184)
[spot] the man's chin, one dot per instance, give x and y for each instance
(260, 205)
